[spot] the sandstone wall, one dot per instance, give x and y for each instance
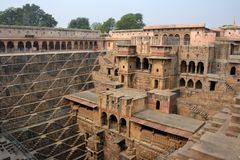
(31, 99)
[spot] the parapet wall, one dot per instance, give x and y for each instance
(44, 32)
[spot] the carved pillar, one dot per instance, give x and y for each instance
(196, 69)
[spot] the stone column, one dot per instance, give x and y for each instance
(141, 64)
(40, 45)
(108, 123)
(5, 44)
(196, 69)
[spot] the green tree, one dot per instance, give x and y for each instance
(130, 21)
(80, 23)
(28, 15)
(96, 26)
(108, 25)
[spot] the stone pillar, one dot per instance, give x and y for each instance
(6, 49)
(108, 123)
(31, 46)
(40, 45)
(60, 45)
(196, 69)
(141, 64)
(72, 43)
(119, 127)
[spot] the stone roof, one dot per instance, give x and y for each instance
(173, 121)
(129, 93)
(87, 98)
(175, 26)
(162, 92)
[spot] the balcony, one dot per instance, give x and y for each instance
(126, 49)
(162, 51)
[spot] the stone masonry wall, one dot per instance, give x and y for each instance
(31, 99)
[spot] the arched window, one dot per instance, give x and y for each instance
(156, 84)
(104, 119)
(158, 105)
(2, 47)
(183, 68)
(28, 45)
(35, 45)
(123, 126)
(75, 45)
(91, 45)
(177, 39)
(44, 45)
(191, 67)
(63, 46)
(116, 72)
(69, 45)
(57, 45)
(170, 40)
(86, 45)
(200, 68)
(51, 46)
(164, 39)
(113, 122)
(198, 85)
(10, 46)
(233, 71)
(95, 45)
(182, 82)
(20, 46)
(186, 39)
(81, 45)
(190, 83)
(138, 63)
(145, 63)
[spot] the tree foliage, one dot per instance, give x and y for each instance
(130, 21)
(108, 25)
(28, 15)
(79, 23)
(96, 26)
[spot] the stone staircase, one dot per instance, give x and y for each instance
(234, 125)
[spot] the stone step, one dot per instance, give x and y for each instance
(235, 118)
(234, 127)
(216, 124)
(211, 129)
(237, 99)
(236, 108)
(232, 134)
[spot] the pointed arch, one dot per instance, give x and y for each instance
(2, 46)
(190, 83)
(186, 39)
(182, 82)
(198, 85)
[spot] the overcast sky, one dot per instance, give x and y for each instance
(211, 12)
